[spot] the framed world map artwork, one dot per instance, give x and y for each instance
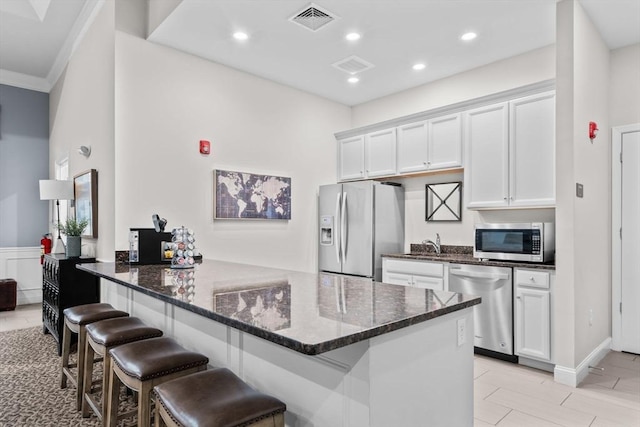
(242, 195)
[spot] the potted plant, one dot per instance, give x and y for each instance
(73, 230)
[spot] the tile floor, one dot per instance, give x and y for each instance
(509, 395)
(24, 316)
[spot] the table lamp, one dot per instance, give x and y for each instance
(53, 189)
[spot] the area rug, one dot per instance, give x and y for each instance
(30, 393)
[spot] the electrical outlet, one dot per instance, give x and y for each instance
(462, 331)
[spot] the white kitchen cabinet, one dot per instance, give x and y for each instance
(415, 273)
(367, 156)
(532, 150)
(532, 314)
(430, 145)
(487, 160)
(511, 153)
(380, 153)
(351, 158)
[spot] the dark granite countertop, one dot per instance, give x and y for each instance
(463, 255)
(308, 313)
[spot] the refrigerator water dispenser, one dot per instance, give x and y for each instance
(326, 230)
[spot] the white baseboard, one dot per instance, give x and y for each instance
(572, 377)
(29, 296)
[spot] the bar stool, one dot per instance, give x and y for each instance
(101, 337)
(142, 365)
(75, 321)
(215, 398)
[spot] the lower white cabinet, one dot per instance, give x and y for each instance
(532, 313)
(419, 274)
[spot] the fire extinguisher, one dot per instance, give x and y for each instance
(45, 247)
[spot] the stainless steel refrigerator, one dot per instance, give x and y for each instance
(358, 222)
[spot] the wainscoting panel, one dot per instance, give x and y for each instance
(23, 265)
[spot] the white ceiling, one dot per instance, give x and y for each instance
(395, 35)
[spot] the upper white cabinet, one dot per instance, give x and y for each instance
(367, 156)
(380, 153)
(532, 135)
(511, 153)
(430, 145)
(351, 158)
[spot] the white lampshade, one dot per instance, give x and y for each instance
(54, 189)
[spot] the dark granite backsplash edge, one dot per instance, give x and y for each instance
(122, 256)
(445, 249)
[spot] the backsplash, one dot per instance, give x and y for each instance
(446, 249)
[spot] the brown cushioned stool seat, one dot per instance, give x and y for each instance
(144, 364)
(215, 398)
(75, 321)
(101, 337)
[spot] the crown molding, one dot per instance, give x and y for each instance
(24, 81)
(80, 27)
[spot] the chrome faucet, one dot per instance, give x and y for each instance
(436, 244)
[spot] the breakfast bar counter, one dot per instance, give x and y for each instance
(339, 350)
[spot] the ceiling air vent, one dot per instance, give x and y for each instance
(353, 65)
(313, 17)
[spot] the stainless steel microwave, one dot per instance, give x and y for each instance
(529, 242)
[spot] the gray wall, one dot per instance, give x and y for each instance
(24, 160)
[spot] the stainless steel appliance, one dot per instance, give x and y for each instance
(493, 318)
(359, 221)
(530, 242)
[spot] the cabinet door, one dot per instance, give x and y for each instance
(487, 160)
(412, 147)
(427, 282)
(398, 279)
(351, 161)
(532, 150)
(380, 153)
(445, 142)
(532, 317)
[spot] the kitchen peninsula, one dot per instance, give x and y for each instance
(339, 350)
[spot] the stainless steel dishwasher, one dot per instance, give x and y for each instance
(493, 318)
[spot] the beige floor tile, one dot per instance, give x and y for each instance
(621, 360)
(631, 387)
(616, 371)
(525, 384)
(480, 423)
(482, 390)
(10, 324)
(502, 366)
(601, 422)
(600, 379)
(538, 408)
(602, 409)
(519, 419)
(489, 412)
(614, 396)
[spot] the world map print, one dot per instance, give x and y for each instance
(241, 195)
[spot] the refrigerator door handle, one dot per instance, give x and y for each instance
(336, 227)
(343, 228)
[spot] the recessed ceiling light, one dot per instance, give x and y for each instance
(468, 36)
(419, 66)
(352, 37)
(353, 80)
(239, 35)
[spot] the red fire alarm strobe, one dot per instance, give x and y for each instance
(205, 147)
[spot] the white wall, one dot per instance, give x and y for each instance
(521, 70)
(81, 113)
(510, 73)
(166, 101)
(625, 86)
(583, 314)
